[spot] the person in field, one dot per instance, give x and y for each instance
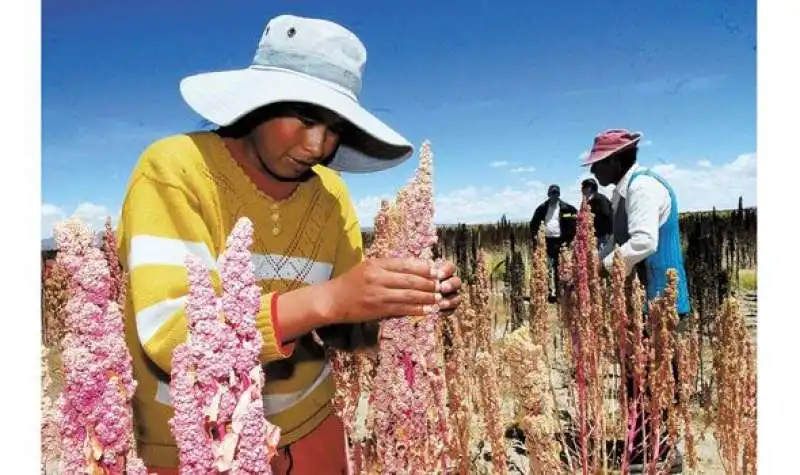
(645, 227)
(560, 225)
(284, 128)
(601, 208)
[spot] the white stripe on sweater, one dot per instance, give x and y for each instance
(278, 267)
(273, 403)
(153, 250)
(150, 319)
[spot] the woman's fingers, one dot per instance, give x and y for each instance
(416, 267)
(446, 270)
(396, 280)
(449, 303)
(410, 297)
(453, 284)
(422, 304)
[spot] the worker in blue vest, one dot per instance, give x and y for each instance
(645, 226)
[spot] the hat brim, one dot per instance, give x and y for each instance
(597, 156)
(225, 96)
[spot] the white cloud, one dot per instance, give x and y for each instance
(487, 204)
(51, 215)
(92, 214)
(471, 204)
(706, 185)
(647, 143)
(584, 155)
(698, 187)
(523, 170)
(367, 208)
(498, 164)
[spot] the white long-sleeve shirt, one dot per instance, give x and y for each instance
(552, 221)
(648, 205)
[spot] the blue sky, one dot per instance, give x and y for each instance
(509, 97)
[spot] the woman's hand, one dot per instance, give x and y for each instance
(373, 290)
(384, 288)
(351, 336)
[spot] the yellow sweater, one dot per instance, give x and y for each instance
(185, 195)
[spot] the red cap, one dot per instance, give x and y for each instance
(610, 142)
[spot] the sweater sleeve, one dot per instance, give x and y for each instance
(161, 223)
(349, 253)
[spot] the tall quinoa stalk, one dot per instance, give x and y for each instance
(531, 387)
(735, 374)
(637, 352)
(600, 342)
(219, 423)
(362, 365)
(480, 293)
(116, 274)
(409, 389)
(661, 324)
(581, 319)
(489, 388)
(54, 301)
(95, 416)
(540, 335)
(619, 310)
(688, 359)
(457, 376)
(468, 400)
(50, 442)
(347, 379)
(487, 401)
(655, 350)
(568, 300)
(538, 293)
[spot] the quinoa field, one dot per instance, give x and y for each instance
(509, 383)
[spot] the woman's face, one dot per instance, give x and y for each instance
(297, 138)
(606, 171)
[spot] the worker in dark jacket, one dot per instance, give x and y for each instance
(559, 219)
(601, 209)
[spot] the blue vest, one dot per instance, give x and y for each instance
(669, 253)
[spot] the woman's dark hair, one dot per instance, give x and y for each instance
(245, 124)
(349, 134)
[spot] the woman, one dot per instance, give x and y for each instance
(286, 124)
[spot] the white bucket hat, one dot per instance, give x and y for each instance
(303, 60)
